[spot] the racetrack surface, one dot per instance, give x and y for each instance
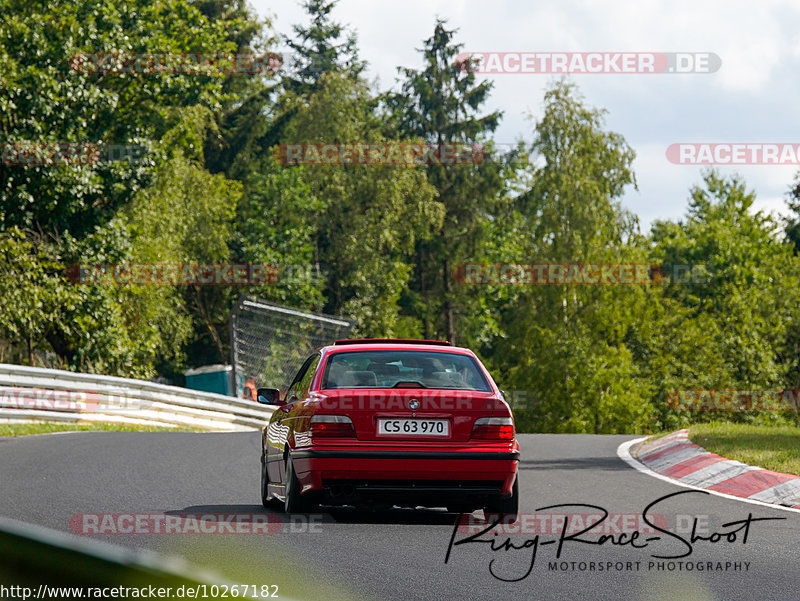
(399, 554)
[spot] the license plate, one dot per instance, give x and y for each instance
(414, 427)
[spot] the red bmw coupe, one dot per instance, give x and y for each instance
(390, 422)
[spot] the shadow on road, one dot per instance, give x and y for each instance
(579, 463)
(329, 515)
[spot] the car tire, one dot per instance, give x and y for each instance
(508, 508)
(293, 500)
(266, 501)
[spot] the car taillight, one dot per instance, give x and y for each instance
(332, 426)
(493, 428)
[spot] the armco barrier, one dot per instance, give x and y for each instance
(32, 394)
(42, 563)
(32, 556)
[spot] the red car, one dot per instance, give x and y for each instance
(391, 422)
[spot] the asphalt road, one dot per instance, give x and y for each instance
(400, 554)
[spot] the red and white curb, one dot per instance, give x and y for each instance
(675, 459)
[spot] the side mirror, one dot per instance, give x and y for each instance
(268, 396)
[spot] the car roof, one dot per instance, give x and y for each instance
(391, 344)
(391, 341)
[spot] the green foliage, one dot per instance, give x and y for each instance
(572, 207)
(440, 105)
(370, 217)
(276, 225)
(184, 217)
(378, 244)
(30, 284)
(569, 343)
(740, 316)
(50, 96)
(317, 50)
(792, 222)
(45, 100)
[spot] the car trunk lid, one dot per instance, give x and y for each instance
(459, 408)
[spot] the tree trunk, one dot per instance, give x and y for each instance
(448, 302)
(29, 345)
(426, 324)
(206, 317)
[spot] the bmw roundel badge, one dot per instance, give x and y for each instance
(413, 404)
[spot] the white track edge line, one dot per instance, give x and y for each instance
(623, 452)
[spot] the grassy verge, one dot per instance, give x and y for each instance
(46, 428)
(654, 437)
(774, 448)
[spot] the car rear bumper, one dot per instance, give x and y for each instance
(422, 476)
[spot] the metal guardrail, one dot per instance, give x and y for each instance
(41, 563)
(32, 394)
(32, 556)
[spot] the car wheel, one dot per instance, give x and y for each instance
(265, 499)
(293, 500)
(508, 508)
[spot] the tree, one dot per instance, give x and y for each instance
(317, 52)
(185, 217)
(748, 298)
(30, 287)
(566, 344)
(439, 104)
(52, 92)
(371, 215)
(792, 222)
(242, 126)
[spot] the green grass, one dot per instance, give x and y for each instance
(46, 428)
(774, 448)
(659, 435)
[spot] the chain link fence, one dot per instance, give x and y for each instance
(269, 342)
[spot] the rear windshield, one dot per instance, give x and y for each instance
(403, 369)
